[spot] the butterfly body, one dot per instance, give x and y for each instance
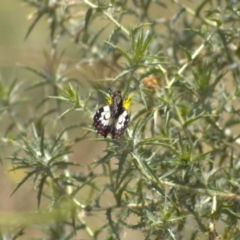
(112, 118)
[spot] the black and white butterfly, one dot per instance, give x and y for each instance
(113, 118)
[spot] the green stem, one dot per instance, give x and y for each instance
(109, 17)
(194, 56)
(192, 12)
(168, 86)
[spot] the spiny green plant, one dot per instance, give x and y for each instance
(174, 173)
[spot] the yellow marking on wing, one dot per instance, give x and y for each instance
(109, 100)
(127, 102)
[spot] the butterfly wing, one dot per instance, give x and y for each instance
(105, 124)
(102, 121)
(120, 125)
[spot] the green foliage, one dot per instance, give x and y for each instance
(174, 174)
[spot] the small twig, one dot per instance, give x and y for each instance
(192, 12)
(109, 17)
(194, 56)
(209, 192)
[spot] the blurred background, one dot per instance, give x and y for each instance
(16, 52)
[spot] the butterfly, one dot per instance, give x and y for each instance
(112, 118)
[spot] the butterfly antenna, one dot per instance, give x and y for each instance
(110, 92)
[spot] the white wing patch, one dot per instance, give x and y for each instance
(104, 114)
(122, 121)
